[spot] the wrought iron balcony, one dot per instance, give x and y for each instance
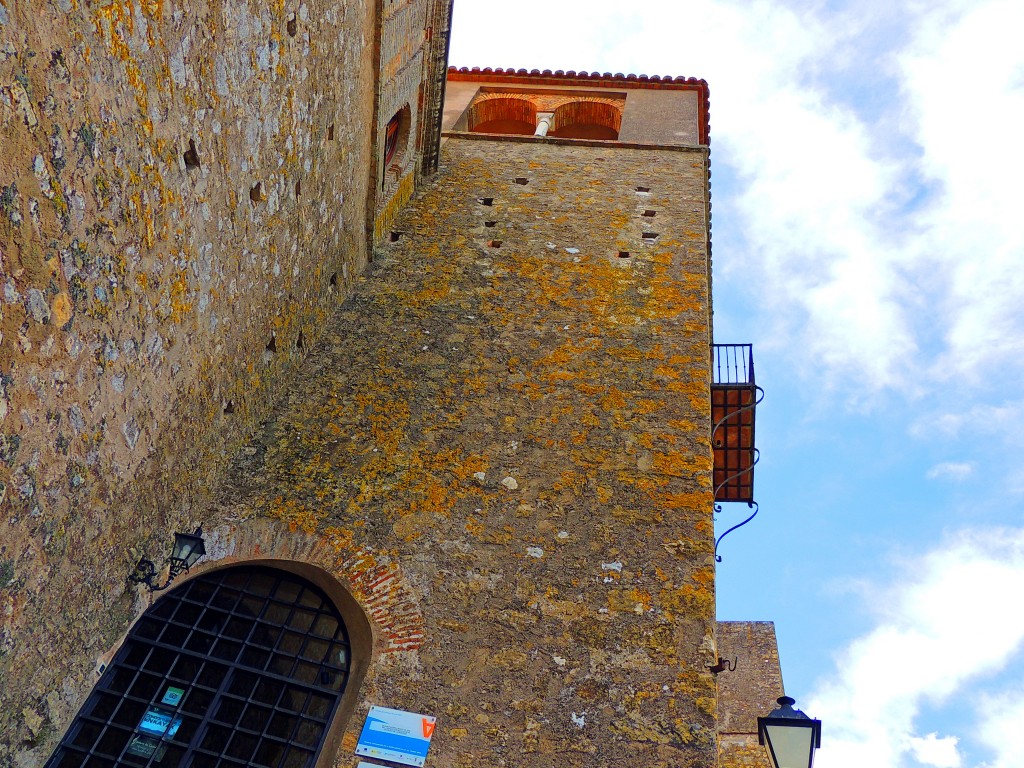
(734, 399)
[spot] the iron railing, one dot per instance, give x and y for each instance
(732, 365)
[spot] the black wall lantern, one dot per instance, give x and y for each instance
(790, 736)
(188, 548)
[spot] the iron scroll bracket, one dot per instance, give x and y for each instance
(718, 508)
(755, 459)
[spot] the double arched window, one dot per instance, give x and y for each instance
(243, 666)
(507, 115)
(587, 120)
(576, 117)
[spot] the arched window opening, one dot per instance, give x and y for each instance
(396, 136)
(587, 120)
(244, 666)
(503, 115)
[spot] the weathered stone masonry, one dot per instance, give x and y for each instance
(497, 444)
(522, 427)
(185, 195)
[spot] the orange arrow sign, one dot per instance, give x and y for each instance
(428, 727)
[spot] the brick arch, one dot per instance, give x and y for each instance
(497, 113)
(553, 101)
(587, 119)
(375, 581)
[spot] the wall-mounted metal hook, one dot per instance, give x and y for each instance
(723, 665)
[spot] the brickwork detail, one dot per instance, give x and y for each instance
(588, 111)
(502, 107)
(375, 580)
(568, 109)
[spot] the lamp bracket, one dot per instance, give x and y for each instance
(145, 571)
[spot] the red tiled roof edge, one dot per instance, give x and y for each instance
(558, 77)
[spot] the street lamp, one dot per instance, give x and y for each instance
(789, 736)
(188, 548)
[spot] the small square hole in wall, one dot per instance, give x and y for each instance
(486, 201)
(256, 193)
(396, 236)
(300, 342)
(229, 406)
(650, 214)
(490, 223)
(332, 284)
(623, 254)
(642, 190)
(330, 132)
(649, 237)
(292, 25)
(191, 156)
(298, 189)
(522, 180)
(494, 243)
(272, 344)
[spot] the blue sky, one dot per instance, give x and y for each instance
(869, 240)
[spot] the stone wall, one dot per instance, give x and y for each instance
(409, 69)
(499, 446)
(184, 193)
(747, 690)
(506, 429)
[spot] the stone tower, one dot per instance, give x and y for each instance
(426, 354)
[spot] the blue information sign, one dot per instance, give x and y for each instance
(391, 734)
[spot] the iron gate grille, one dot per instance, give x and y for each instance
(239, 667)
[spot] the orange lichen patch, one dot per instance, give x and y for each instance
(680, 464)
(614, 400)
(704, 527)
(341, 539)
(62, 309)
(641, 598)
(295, 514)
(114, 23)
(588, 389)
(685, 500)
(570, 480)
(58, 197)
(666, 372)
(644, 406)
(697, 392)
(180, 306)
(686, 600)
(705, 577)
(555, 376)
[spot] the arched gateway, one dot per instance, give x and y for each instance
(243, 666)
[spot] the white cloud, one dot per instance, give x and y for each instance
(963, 80)
(979, 420)
(932, 750)
(942, 624)
(1000, 728)
(952, 470)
